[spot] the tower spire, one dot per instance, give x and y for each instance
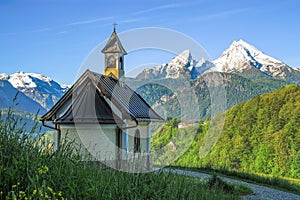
(114, 55)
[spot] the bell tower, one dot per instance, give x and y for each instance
(114, 56)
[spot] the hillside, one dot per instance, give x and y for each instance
(261, 135)
(172, 97)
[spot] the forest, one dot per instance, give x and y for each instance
(261, 135)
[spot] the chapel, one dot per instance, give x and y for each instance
(102, 116)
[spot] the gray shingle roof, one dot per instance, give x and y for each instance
(85, 101)
(114, 45)
(127, 99)
(88, 107)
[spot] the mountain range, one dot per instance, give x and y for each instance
(35, 91)
(240, 58)
(245, 71)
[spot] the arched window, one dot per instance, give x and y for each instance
(137, 142)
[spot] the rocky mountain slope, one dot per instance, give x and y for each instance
(11, 97)
(183, 65)
(243, 70)
(39, 88)
(240, 58)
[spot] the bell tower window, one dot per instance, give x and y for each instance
(121, 63)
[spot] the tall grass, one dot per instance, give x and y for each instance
(31, 171)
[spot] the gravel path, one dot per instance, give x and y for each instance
(260, 192)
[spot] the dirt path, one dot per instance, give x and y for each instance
(260, 192)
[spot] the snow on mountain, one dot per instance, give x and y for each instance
(183, 65)
(40, 88)
(296, 68)
(241, 56)
(12, 97)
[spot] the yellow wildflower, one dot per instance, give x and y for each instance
(22, 194)
(50, 189)
(46, 169)
(34, 191)
(43, 170)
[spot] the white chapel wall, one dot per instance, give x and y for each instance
(97, 141)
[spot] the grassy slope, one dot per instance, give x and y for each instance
(28, 171)
(260, 140)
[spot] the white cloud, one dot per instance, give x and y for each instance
(62, 32)
(129, 20)
(220, 14)
(89, 21)
(40, 30)
(162, 7)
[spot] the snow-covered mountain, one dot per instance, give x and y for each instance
(183, 65)
(12, 97)
(241, 57)
(39, 88)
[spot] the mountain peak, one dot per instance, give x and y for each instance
(40, 88)
(31, 75)
(243, 45)
(185, 54)
(182, 65)
(183, 58)
(242, 56)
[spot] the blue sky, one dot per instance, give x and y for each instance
(53, 37)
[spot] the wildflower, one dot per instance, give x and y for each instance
(43, 170)
(14, 186)
(34, 191)
(50, 189)
(46, 196)
(46, 169)
(22, 194)
(60, 193)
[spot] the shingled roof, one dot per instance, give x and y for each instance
(114, 45)
(88, 104)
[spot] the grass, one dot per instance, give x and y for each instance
(280, 183)
(29, 169)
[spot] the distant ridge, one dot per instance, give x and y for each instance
(240, 58)
(35, 91)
